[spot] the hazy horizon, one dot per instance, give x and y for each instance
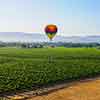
(36, 37)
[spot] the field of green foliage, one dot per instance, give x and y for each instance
(26, 69)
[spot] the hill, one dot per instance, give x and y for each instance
(36, 37)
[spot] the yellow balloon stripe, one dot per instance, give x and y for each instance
(50, 36)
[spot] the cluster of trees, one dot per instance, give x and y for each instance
(81, 45)
(46, 44)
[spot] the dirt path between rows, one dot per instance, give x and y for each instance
(85, 90)
(88, 89)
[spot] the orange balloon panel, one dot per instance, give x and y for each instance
(51, 29)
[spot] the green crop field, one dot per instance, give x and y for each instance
(26, 69)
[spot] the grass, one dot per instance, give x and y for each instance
(25, 69)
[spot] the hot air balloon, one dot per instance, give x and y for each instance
(51, 31)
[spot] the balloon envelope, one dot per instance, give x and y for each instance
(51, 31)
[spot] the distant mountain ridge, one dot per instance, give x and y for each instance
(36, 37)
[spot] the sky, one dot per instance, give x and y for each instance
(73, 17)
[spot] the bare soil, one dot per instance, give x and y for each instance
(84, 90)
(88, 89)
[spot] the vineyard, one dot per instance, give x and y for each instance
(26, 69)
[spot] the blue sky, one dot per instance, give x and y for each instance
(73, 17)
